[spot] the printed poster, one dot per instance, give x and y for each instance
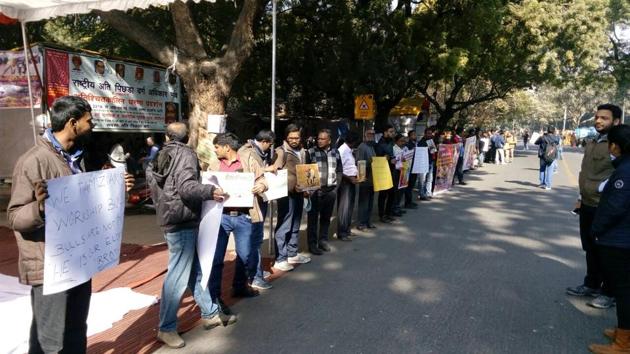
(237, 185)
(381, 175)
(421, 161)
(84, 224)
(405, 170)
(14, 81)
(307, 177)
(446, 164)
(362, 170)
(124, 96)
(469, 152)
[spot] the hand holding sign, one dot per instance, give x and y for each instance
(41, 193)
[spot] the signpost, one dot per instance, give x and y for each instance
(364, 107)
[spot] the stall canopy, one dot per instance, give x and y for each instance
(36, 10)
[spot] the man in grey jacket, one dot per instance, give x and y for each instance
(174, 180)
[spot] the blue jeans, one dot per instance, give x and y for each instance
(241, 226)
(288, 228)
(546, 173)
(258, 235)
(183, 271)
(426, 182)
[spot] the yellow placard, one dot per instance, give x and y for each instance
(381, 175)
(364, 107)
(307, 177)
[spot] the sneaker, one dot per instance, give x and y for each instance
(171, 339)
(283, 266)
(547, 188)
(219, 319)
(583, 290)
(602, 302)
(299, 259)
(261, 284)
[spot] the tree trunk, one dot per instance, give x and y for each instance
(206, 97)
(445, 118)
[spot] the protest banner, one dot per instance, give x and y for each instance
(421, 160)
(238, 186)
(405, 169)
(277, 185)
(307, 177)
(124, 96)
(381, 175)
(14, 82)
(211, 213)
(446, 164)
(362, 169)
(469, 152)
(84, 224)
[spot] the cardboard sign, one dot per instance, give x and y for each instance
(307, 177)
(381, 175)
(84, 224)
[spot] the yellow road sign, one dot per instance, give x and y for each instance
(364, 107)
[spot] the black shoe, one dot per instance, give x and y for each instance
(361, 227)
(411, 206)
(245, 292)
(397, 213)
(224, 308)
(386, 220)
(323, 245)
(344, 239)
(315, 250)
(371, 226)
(424, 198)
(462, 183)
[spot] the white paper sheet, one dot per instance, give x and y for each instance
(278, 185)
(211, 213)
(106, 308)
(421, 161)
(84, 224)
(237, 185)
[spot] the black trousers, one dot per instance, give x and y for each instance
(322, 205)
(594, 278)
(345, 207)
(615, 263)
(459, 170)
(366, 202)
(59, 323)
(413, 178)
(386, 202)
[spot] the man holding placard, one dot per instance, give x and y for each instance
(288, 156)
(59, 319)
(347, 187)
(237, 219)
(322, 200)
(174, 181)
(260, 150)
(365, 153)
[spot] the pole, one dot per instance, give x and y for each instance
(564, 122)
(27, 62)
(273, 111)
(623, 110)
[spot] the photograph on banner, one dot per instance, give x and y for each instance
(14, 81)
(84, 225)
(124, 96)
(237, 185)
(307, 177)
(421, 160)
(362, 169)
(470, 150)
(381, 174)
(446, 165)
(277, 184)
(405, 168)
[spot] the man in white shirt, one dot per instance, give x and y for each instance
(347, 187)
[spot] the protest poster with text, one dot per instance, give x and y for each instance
(421, 161)
(405, 169)
(469, 153)
(14, 81)
(84, 224)
(124, 96)
(446, 164)
(238, 186)
(307, 177)
(381, 174)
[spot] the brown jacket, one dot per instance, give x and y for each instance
(596, 167)
(251, 163)
(286, 159)
(41, 162)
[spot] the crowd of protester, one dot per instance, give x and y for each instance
(173, 175)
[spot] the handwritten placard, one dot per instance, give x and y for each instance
(278, 185)
(84, 224)
(238, 186)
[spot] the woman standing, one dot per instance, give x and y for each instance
(611, 228)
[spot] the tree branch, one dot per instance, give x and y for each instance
(140, 34)
(188, 38)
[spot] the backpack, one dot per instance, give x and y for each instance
(550, 152)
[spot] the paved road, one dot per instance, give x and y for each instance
(480, 270)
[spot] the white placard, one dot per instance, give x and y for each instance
(216, 123)
(84, 224)
(211, 213)
(421, 161)
(278, 185)
(238, 186)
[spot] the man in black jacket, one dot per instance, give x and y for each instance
(178, 194)
(384, 147)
